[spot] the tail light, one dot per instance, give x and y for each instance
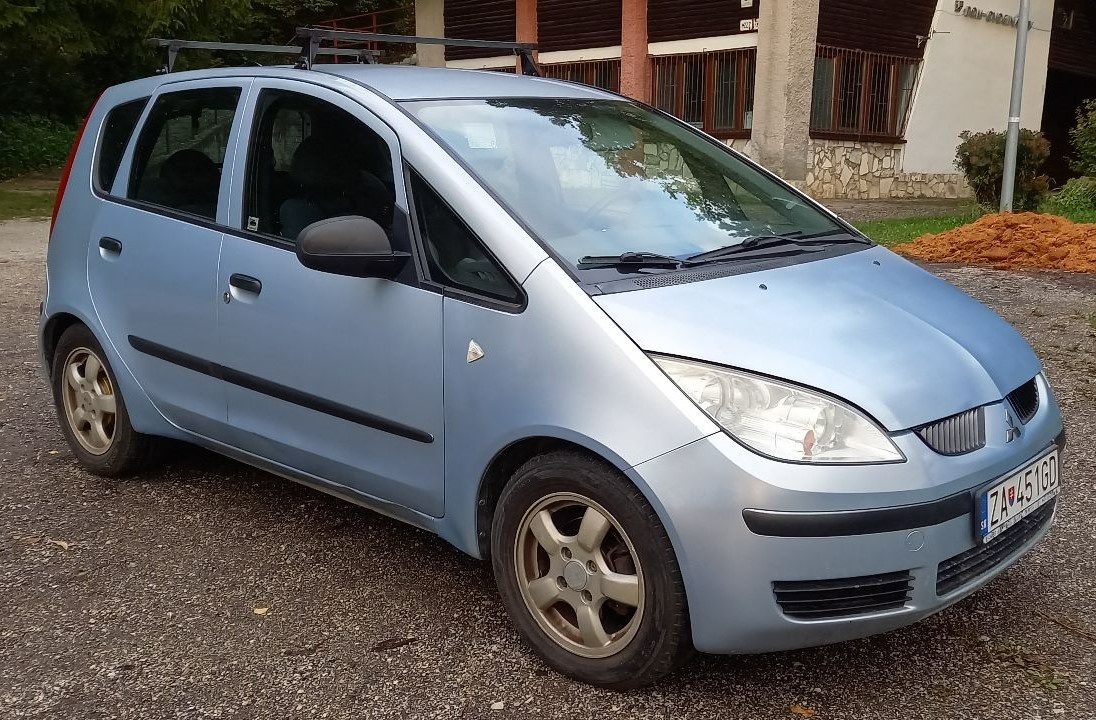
(68, 166)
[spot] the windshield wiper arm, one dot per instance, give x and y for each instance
(630, 259)
(758, 242)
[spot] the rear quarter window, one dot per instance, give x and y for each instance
(117, 130)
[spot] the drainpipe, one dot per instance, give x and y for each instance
(1012, 139)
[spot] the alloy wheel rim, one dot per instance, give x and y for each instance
(91, 407)
(579, 575)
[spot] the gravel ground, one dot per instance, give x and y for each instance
(137, 599)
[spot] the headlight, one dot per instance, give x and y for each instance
(780, 420)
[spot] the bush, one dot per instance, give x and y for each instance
(32, 142)
(1076, 196)
(981, 158)
(1083, 136)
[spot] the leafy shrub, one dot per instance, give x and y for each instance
(981, 157)
(1083, 136)
(32, 142)
(1076, 196)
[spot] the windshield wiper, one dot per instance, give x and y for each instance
(631, 259)
(759, 242)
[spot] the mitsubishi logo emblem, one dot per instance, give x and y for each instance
(1012, 430)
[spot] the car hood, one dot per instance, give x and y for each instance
(868, 327)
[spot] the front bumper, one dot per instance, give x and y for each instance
(734, 576)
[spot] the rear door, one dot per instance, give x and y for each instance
(152, 262)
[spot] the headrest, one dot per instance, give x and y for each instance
(191, 172)
(320, 164)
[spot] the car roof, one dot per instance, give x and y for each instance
(406, 82)
(410, 82)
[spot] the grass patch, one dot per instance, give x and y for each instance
(25, 204)
(892, 231)
(30, 196)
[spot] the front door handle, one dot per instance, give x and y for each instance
(111, 245)
(246, 283)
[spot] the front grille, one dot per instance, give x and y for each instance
(968, 566)
(824, 599)
(1025, 400)
(956, 435)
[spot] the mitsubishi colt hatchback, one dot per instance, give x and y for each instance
(678, 404)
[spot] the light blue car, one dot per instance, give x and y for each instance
(677, 403)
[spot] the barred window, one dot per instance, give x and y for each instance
(604, 74)
(861, 94)
(713, 91)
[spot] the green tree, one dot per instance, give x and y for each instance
(58, 55)
(1083, 136)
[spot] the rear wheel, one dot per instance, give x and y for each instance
(91, 410)
(587, 573)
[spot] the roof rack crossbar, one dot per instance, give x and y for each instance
(174, 46)
(311, 38)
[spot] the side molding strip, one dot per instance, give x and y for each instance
(281, 392)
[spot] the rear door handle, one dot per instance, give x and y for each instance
(246, 283)
(111, 245)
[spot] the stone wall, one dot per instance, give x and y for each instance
(864, 170)
(848, 169)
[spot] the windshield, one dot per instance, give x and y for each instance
(607, 177)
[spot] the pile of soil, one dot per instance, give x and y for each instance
(1012, 241)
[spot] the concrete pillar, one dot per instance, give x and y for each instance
(526, 30)
(430, 22)
(635, 67)
(787, 30)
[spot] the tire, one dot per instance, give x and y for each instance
(575, 547)
(92, 412)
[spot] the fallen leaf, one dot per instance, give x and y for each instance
(59, 543)
(801, 710)
(498, 706)
(392, 644)
(261, 611)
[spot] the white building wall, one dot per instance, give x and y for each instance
(966, 79)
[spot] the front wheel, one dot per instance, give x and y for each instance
(587, 573)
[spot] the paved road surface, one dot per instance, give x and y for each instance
(136, 599)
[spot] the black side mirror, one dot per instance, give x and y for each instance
(350, 245)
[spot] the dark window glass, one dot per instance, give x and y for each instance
(822, 97)
(454, 256)
(861, 94)
(726, 91)
(879, 98)
(312, 161)
(181, 150)
(117, 130)
(693, 110)
(712, 91)
(849, 113)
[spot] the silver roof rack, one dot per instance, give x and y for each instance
(312, 38)
(173, 47)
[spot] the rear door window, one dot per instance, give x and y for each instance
(181, 150)
(117, 130)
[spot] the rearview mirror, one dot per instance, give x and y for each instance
(350, 245)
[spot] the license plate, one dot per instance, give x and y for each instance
(1006, 502)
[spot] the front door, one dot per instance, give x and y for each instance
(152, 262)
(334, 376)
